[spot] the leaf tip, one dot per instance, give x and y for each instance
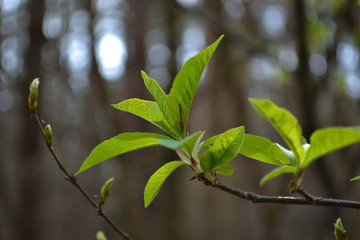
(143, 74)
(262, 182)
(355, 178)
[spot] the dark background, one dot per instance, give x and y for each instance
(303, 55)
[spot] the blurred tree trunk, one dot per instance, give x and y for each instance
(30, 176)
(135, 35)
(303, 77)
(308, 98)
(174, 205)
(136, 25)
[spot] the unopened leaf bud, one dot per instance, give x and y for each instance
(100, 236)
(340, 232)
(33, 95)
(48, 135)
(105, 191)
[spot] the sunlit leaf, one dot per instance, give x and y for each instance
(285, 123)
(263, 149)
(208, 142)
(157, 180)
(355, 178)
(226, 169)
(195, 147)
(290, 155)
(276, 172)
(147, 110)
(120, 144)
(157, 92)
(194, 139)
(225, 148)
(327, 140)
(184, 87)
(173, 144)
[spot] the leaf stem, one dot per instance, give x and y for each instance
(306, 195)
(307, 199)
(73, 180)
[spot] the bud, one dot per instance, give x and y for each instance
(105, 190)
(33, 95)
(48, 135)
(340, 232)
(100, 236)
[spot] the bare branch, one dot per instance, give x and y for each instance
(306, 200)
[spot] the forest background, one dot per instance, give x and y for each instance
(303, 55)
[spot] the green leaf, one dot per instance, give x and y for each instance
(226, 169)
(355, 178)
(157, 180)
(290, 155)
(206, 161)
(285, 123)
(262, 149)
(327, 140)
(195, 147)
(225, 148)
(173, 144)
(208, 142)
(157, 92)
(184, 87)
(193, 141)
(120, 144)
(147, 110)
(276, 172)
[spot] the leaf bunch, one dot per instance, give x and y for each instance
(169, 112)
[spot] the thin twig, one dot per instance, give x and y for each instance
(257, 198)
(73, 180)
(306, 195)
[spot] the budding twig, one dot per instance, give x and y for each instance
(48, 137)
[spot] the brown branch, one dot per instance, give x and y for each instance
(307, 199)
(306, 195)
(73, 180)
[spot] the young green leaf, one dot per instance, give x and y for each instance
(284, 122)
(184, 87)
(226, 169)
(195, 146)
(262, 149)
(173, 144)
(290, 155)
(276, 172)
(157, 92)
(326, 140)
(120, 144)
(157, 180)
(225, 148)
(355, 178)
(208, 142)
(147, 110)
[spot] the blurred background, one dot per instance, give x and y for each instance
(303, 55)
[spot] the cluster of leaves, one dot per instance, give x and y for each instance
(212, 156)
